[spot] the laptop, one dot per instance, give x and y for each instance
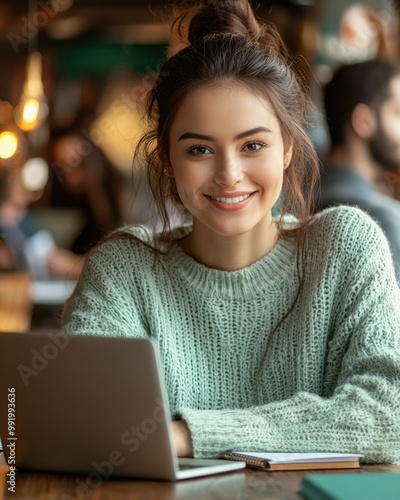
(89, 405)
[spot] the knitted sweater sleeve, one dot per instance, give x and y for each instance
(102, 303)
(363, 413)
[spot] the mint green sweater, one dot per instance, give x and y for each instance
(331, 376)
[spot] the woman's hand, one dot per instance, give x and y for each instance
(182, 439)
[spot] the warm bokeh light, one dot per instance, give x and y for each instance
(8, 145)
(118, 125)
(30, 114)
(35, 174)
(30, 111)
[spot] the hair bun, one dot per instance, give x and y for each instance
(234, 17)
(217, 17)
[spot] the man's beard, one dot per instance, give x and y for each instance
(383, 150)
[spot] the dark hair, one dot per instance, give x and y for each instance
(366, 82)
(218, 43)
(223, 43)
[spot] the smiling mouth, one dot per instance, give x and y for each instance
(231, 200)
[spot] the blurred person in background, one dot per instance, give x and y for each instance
(8, 213)
(18, 228)
(362, 107)
(86, 180)
(16, 224)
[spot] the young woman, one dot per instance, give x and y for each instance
(278, 334)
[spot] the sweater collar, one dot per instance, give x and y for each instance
(265, 274)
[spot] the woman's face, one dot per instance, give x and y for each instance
(227, 156)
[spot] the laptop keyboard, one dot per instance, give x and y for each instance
(185, 467)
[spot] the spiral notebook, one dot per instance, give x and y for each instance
(296, 461)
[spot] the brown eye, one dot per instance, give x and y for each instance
(199, 150)
(253, 146)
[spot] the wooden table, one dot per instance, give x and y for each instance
(28, 305)
(240, 485)
(15, 302)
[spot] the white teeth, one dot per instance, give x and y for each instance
(230, 201)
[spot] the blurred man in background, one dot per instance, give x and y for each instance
(362, 107)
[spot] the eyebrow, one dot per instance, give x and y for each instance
(192, 135)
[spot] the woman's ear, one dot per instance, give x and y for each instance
(168, 170)
(165, 161)
(363, 121)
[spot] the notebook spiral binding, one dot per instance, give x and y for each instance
(251, 461)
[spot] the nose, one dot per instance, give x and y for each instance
(229, 172)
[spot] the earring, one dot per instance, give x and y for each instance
(166, 173)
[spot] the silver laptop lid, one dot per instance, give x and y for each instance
(83, 406)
